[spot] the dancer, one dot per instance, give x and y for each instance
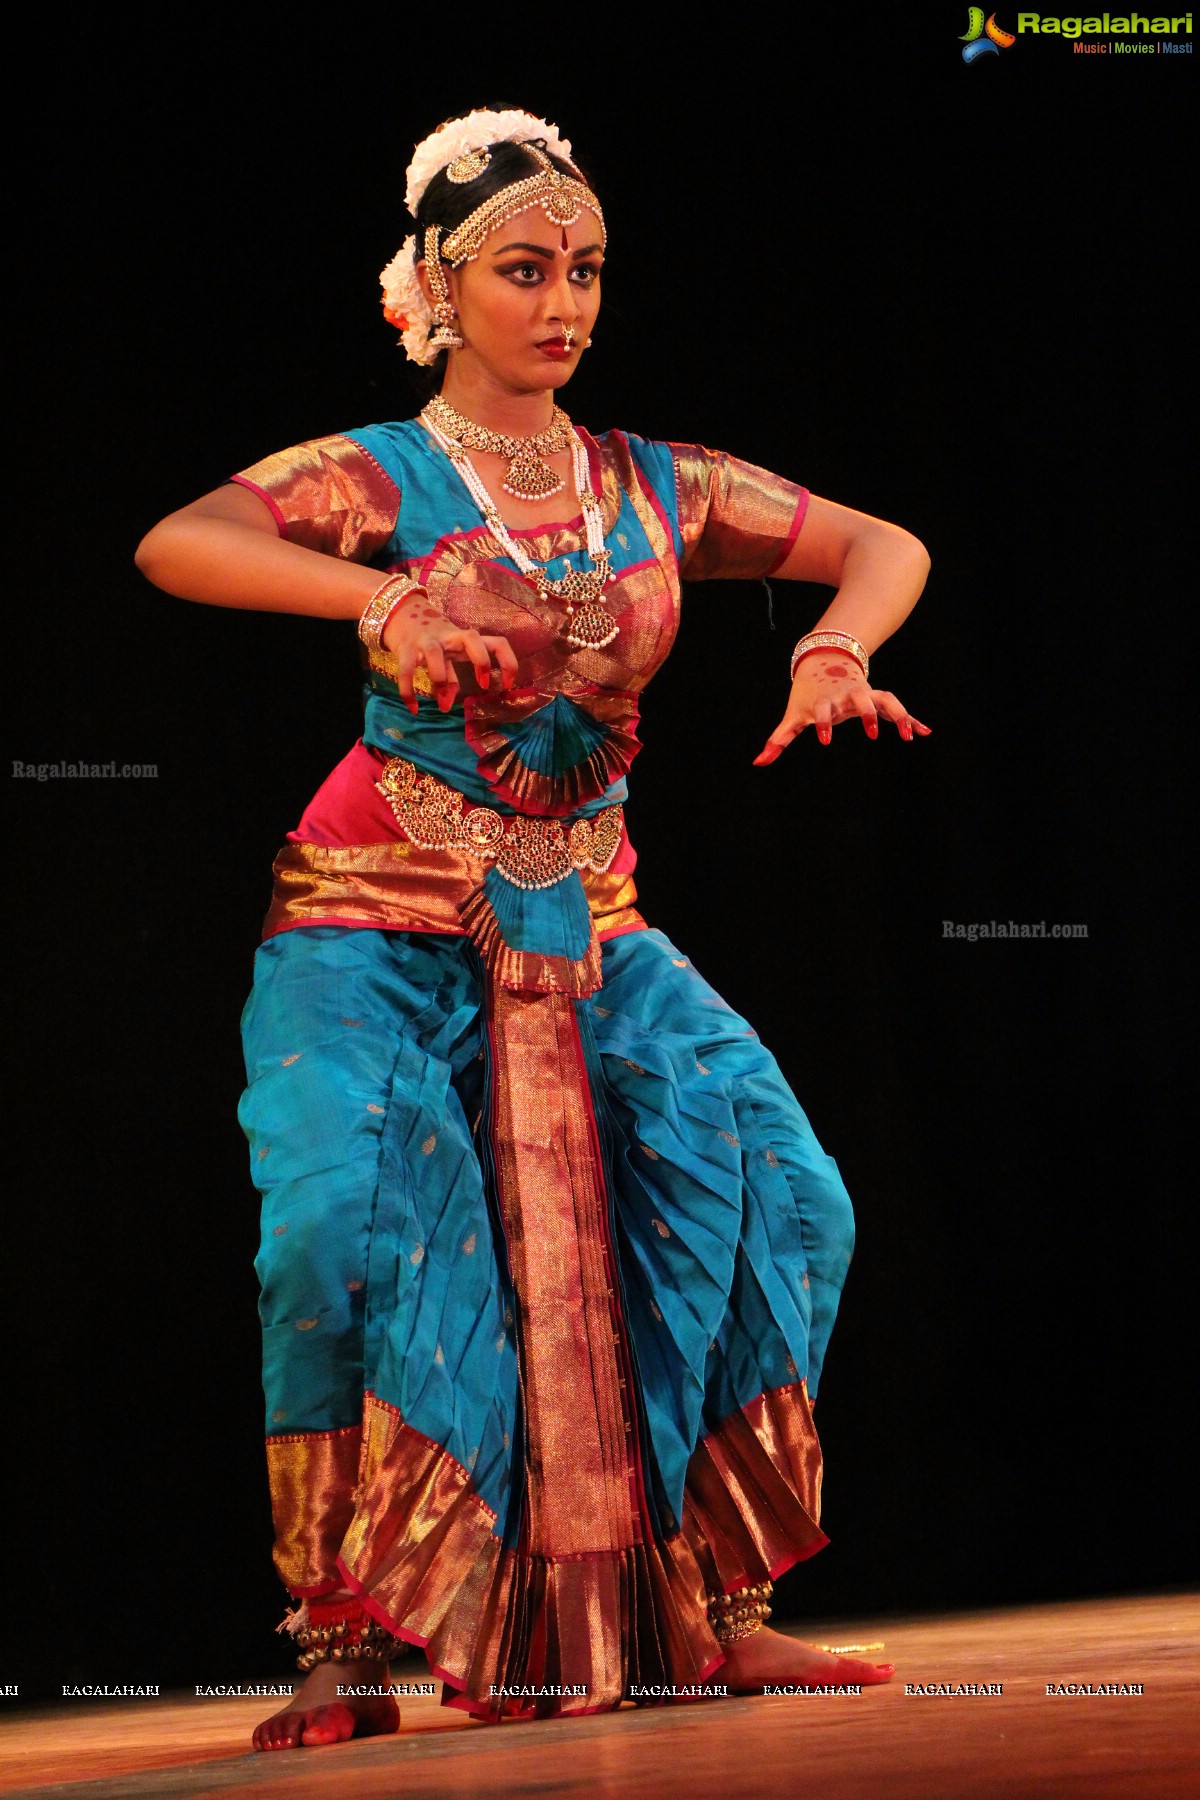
(550, 1252)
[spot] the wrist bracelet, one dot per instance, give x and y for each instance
(380, 607)
(829, 640)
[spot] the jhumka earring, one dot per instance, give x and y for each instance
(444, 336)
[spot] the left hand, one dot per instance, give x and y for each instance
(828, 688)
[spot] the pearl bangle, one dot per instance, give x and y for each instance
(829, 640)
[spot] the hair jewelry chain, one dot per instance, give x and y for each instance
(444, 336)
(589, 624)
(463, 148)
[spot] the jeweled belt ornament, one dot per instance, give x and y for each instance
(528, 852)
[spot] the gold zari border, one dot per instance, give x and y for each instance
(752, 1499)
(401, 887)
(312, 1476)
(423, 1550)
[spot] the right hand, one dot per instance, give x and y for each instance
(419, 636)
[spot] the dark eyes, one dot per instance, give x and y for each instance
(528, 274)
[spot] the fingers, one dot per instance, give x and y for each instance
(437, 650)
(860, 700)
(895, 710)
(779, 740)
(868, 704)
(431, 652)
(406, 665)
(475, 650)
(506, 659)
(441, 672)
(790, 727)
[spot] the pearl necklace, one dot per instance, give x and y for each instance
(589, 624)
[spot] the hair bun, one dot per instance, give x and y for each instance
(458, 138)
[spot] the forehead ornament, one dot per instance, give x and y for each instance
(561, 197)
(468, 166)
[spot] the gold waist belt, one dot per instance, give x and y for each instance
(529, 852)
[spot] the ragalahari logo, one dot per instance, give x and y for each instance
(983, 39)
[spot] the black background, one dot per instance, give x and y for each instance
(947, 295)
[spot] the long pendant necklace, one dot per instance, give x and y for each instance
(527, 477)
(589, 624)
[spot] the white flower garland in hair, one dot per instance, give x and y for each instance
(457, 136)
(404, 303)
(405, 306)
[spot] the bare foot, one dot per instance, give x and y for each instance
(770, 1659)
(318, 1714)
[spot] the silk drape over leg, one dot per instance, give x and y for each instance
(430, 1141)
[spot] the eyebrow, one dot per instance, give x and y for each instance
(541, 250)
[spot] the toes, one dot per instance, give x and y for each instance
(866, 1673)
(280, 1733)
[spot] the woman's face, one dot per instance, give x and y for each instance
(530, 281)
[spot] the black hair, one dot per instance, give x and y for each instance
(447, 203)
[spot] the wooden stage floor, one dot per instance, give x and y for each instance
(1020, 1744)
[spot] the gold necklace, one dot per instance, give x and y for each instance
(589, 624)
(528, 477)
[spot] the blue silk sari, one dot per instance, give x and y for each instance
(550, 1253)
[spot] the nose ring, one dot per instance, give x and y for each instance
(569, 335)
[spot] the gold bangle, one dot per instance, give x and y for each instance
(829, 640)
(380, 607)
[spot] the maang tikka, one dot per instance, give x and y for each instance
(444, 336)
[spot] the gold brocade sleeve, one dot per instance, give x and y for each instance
(736, 520)
(328, 494)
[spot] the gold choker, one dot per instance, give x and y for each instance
(528, 477)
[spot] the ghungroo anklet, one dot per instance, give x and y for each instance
(738, 1615)
(337, 1631)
